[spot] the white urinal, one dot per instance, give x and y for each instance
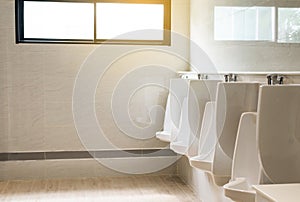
(207, 141)
(233, 99)
(196, 123)
(278, 133)
(199, 93)
(177, 93)
(180, 143)
(246, 169)
(165, 135)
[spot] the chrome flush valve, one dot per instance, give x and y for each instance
(274, 79)
(230, 77)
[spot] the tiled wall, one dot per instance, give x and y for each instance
(36, 86)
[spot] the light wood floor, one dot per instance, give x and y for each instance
(117, 189)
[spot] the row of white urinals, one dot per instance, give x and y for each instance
(243, 133)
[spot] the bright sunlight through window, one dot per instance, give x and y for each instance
(115, 19)
(93, 21)
(61, 20)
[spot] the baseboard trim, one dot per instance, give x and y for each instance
(25, 156)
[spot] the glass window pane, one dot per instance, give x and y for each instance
(289, 25)
(115, 19)
(244, 23)
(223, 23)
(58, 20)
(266, 23)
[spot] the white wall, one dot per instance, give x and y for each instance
(239, 56)
(37, 83)
(36, 86)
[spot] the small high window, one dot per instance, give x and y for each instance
(93, 21)
(277, 23)
(289, 25)
(244, 23)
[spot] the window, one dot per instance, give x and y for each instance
(116, 18)
(244, 23)
(289, 25)
(93, 21)
(276, 24)
(53, 20)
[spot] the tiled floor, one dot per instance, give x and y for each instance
(116, 189)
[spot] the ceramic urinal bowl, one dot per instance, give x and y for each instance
(208, 138)
(232, 100)
(199, 93)
(278, 133)
(165, 135)
(177, 94)
(246, 170)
